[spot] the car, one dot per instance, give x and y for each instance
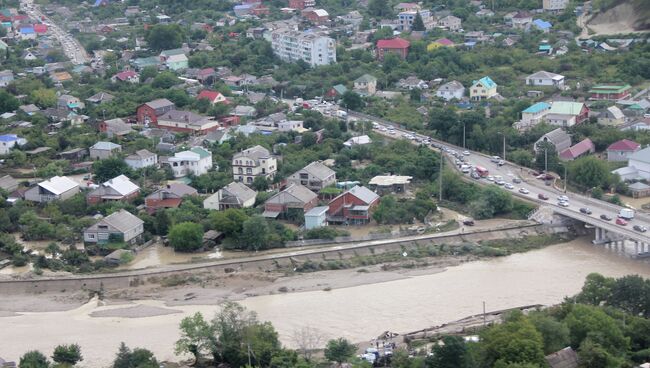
(585, 210)
(466, 153)
(545, 177)
(542, 196)
(468, 222)
(475, 175)
(620, 221)
(639, 228)
(605, 217)
(495, 159)
(499, 182)
(563, 203)
(524, 191)
(509, 186)
(563, 198)
(490, 178)
(501, 163)
(516, 180)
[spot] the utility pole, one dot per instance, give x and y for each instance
(484, 322)
(442, 158)
(545, 160)
(463, 135)
(566, 178)
(504, 146)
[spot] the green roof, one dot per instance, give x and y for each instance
(148, 61)
(366, 78)
(608, 88)
(201, 152)
(172, 52)
(340, 89)
(566, 108)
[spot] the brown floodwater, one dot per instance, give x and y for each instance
(359, 313)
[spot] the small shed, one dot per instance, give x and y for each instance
(383, 184)
(212, 238)
(316, 217)
(639, 190)
(115, 257)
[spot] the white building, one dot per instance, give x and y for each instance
(543, 78)
(9, 141)
(554, 5)
(638, 166)
(451, 90)
(141, 158)
(450, 22)
(56, 188)
(253, 162)
(233, 195)
(312, 48)
(196, 161)
(406, 18)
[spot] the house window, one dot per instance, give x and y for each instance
(249, 180)
(91, 236)
(249, 171)
(241, 171)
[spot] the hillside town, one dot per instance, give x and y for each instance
(220, 131)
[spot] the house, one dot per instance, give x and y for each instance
(412, 82)
(533, 115)
(212, 96)
(100, 98)
(242, 110)
(353, 207)
(357, 141)
(567, 113)
(148, 113)
(219, 136)
(141, 159)
(6, 77)
(56, 188)
(9, 141)
(554, 5)
(383, 184)
(336, 92)
(366, 84)
(26, 33)
(565, 358)
(621, 150)
(177, 62)
(314, 176)
(115, 127)
(637, 125)
(611, 116)
(206, 76)
(450, 22)
(294, 200)
(252, 163)
(406, 18)
(233, 195)
(396, 45)
(291, 126)
(610, 92)
(482, 88)
(558, 138)
(584, 147)
(543, 78)
(316, 217)
(141, 63)
(69, 102)
(129, 76)
(169, 196)
(521, 20)
(301, 4)
(74, 155)
(402, 7)
(118, 227)
(197, 161)
(119, 189)
(61, 77)
(8, 183)
(316, 16)
(186, 122)
(104, 150)
(451, 90)
(542, 25)
(639, 190)
(638, 166)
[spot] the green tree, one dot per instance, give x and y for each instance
(379, 8)
(136, 358)
(596, 289)
(43, 97)
(339, 350)
(589, 172)
(589, 322)
(593, 355)
(165, 80)
(514, 341)
(164, 37)
(254, 234)
(67, 354)
(230, 222)
(186, 237)
(554, 333)
(418, 23)
(8, 102)
(547, 157)
(109, 168)
(260, 183)
(452, 353)
(197, 336)
(351, 100)
(33, 359)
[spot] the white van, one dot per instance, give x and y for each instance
(626, 213)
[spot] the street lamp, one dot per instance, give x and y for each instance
(504, 144)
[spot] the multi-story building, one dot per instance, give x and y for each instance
(253, 162)
(406, 18)
(301, 4)
(314, 176)
(554, 5)
(312, 48)
(482, 88)
(197, 161)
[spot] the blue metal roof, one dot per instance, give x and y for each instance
(27, 30)
(487, 82)
(540, 106)
(542, 24)
(8, 138)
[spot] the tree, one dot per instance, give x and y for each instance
(165, 80)
(546, 157)
(514, 341)
(67, 354)
(109, 168)
(197, 336)
(165, 37)
(8, 102)
(589, 322)
(33, 359)
(351, 100)
(451, 354)
(307, 340)
(186, 237)
(554, 333)
(379, 8)
(43, 97)
(260, 183)
(138, 358)
(418, 23)
(254, 234)
(589, 172)
(339, 350)
(230, 222)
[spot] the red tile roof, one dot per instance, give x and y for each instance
(206, 72)
(624, 145)
(40, 28)
(395, 43)
(210, 95)
(445, 41)
(578, 149)
(125, 75)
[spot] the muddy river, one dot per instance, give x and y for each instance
(359, 313)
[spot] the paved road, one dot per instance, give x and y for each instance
(71, 47)
(533, 186)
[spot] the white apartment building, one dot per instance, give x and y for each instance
(309, 47)
(197, 161)
(406, 19)
(554, 5)
(253, 162)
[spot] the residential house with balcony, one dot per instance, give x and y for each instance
(365, 85)
(397, 45)
(293, 201)
(120, 189)
(314, 176)
(233, 195)
(353, 207)
(451, 90)
(196, 161)
(482, 89)
(252, 163)
(610, 92)
(533, 115)
(118, 227)
(56, 188)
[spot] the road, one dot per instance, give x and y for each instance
(71, 47)
(536, 188)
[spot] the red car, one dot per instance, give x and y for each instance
(620, 221)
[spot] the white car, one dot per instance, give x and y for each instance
(500, 182)
(490, 178)
(524, 191)
(563, 198)
(509, 186)
(466, 153)
(563, 203)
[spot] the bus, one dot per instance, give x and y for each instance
(481, 171)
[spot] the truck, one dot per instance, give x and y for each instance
(341, 114)
(626, 213)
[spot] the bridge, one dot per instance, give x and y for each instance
(606, 231)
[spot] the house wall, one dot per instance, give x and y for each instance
(618, 156)
(140, 163)
(5, 147)
(643, 167)
(101, 154)
(145, 113)
(266, 167)
(313, 222)
(184, 127)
